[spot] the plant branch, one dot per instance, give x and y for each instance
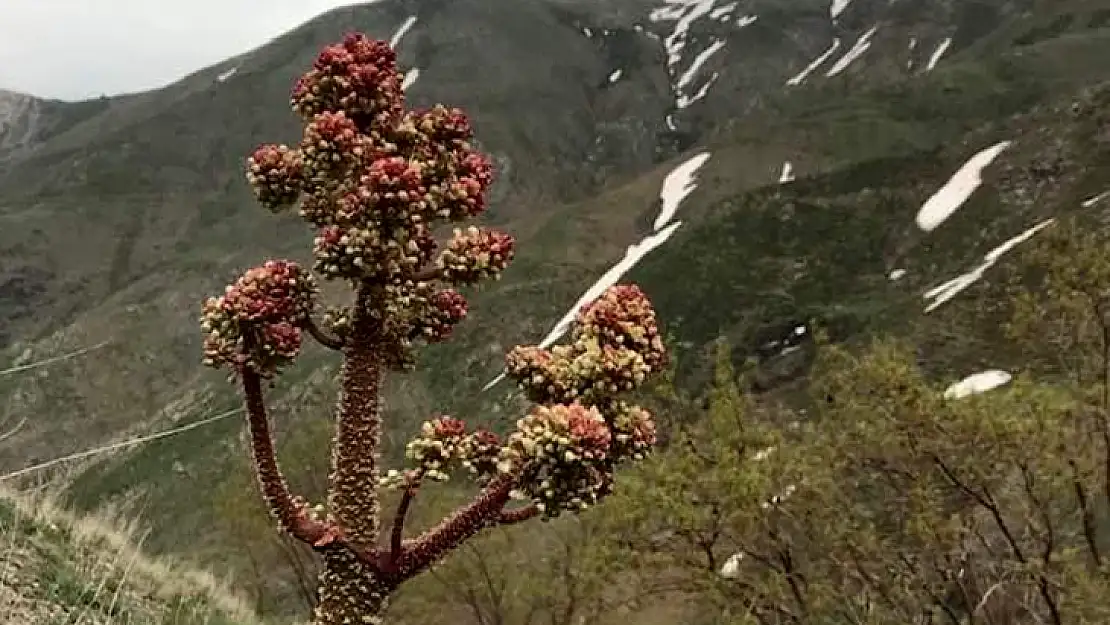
(322, 336)
(275, 490)
(517, 515)
(1089, 532)
(427, 274)
(398, 532)
(417, 555)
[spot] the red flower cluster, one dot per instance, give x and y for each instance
(633, 432)
(623, 317)
(442, 446)
(275, 173)
(256, 322)
(616, 346)
(375, 177)
(331, 142)
(439, 444)
(482, 452)
(547, 376)
(446, 309)
(476, 254)
(358, 75)
(561, 452)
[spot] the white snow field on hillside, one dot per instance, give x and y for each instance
(946, 291)
(1091, 201)
(401, 31)
(615, 75)
(858, 48)
(787, 174)
(412, 74)
(938, 208)
(837, 7)
(801, 76)
(684, 66)
(978, 383)
(678, 184)
(722, 12)
(939, 52)
(227, 74)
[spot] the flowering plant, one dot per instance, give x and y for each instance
(373, 178)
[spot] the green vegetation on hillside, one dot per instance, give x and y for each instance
(58, 569)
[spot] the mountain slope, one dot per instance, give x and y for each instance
(810, 168)
(56, 568)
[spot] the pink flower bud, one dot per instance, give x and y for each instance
(275, 173)
(441, 446)
(561, 453)
(623, 317)
(446, 309)
(476, 254)
(256, 322)
(634, 433)
(330, 143)
(358, 76)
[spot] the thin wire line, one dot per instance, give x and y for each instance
(52, 360)
(120, 445)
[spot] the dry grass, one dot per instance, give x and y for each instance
(60, 569)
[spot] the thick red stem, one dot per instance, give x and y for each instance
(274, 488)
(518, 515)
(321, 335)
(417, 555)
(353, 482)
(398, 532)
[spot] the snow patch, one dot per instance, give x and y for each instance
(677, 186)
(684, 13)
(897, 275)
(587, 32)
(858, 48)
(978, 383)
(1091, 201)
(817, 62)
(938, 208)
(838, 7)
(228, 74)
(684, 81)
(787, 173)
(410, 77)
(615, 75)
(731, 568)
(946, 291)
(722, 12)
(404, 28)
(941, 49)
(746, 20)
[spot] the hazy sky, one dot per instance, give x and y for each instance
(75, 49)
